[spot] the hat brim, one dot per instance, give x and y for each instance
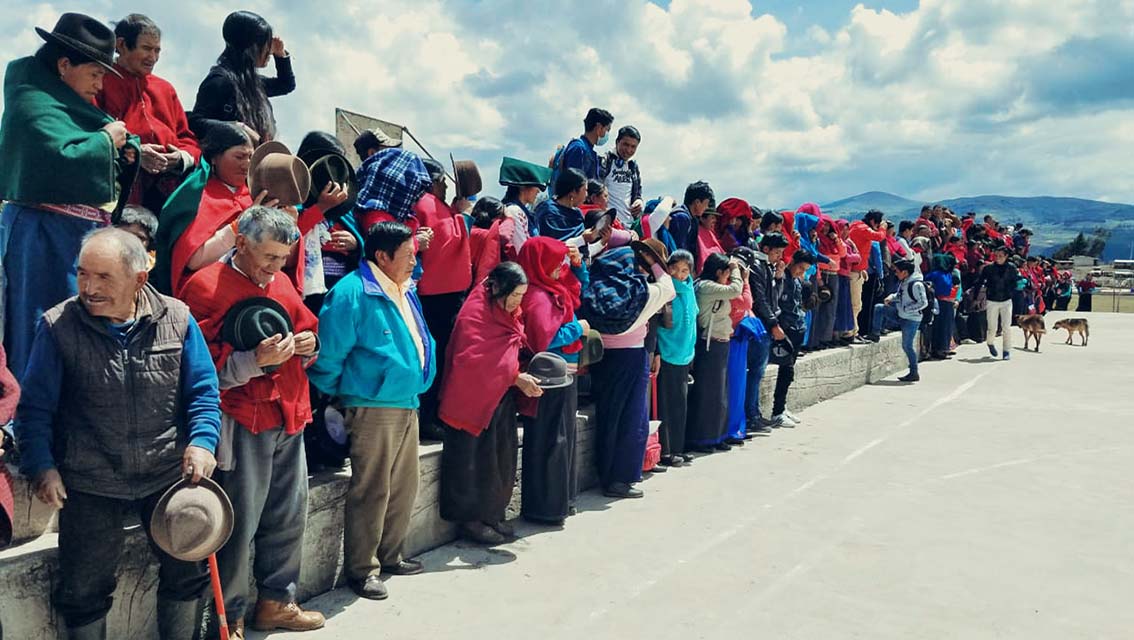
(641, 247)
(229, 328)
(78, 47)
(157, 527)
(568, 380)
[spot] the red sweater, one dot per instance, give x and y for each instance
(446, 266)
(151, 110)
(270, 401)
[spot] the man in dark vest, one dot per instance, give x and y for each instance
(120, 400)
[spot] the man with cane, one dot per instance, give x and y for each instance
(120, 401)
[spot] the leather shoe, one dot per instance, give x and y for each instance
(272, 614)
(405, 568)
(371, 588)
(658, 468)
(735, 442)
(672, 461)
(481, 533)
(723, 446)
(622, 490)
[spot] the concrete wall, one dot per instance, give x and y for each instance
(28, 570)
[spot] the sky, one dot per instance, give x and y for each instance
(773, 101)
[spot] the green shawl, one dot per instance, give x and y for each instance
(52, 147)
(176, 216)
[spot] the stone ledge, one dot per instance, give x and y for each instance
(27, 571)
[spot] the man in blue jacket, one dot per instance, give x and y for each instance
(377, 357)
(119, 401)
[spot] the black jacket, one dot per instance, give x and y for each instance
(765, 291)
(216, 97)
(999, 280)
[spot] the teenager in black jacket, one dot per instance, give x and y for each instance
(999, 280)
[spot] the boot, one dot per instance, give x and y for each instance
(91, 631)
(178, 620)
(271, 614)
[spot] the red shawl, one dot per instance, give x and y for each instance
(9, 398)
(707, 244)
(789, 234)
(445, 265)
(481, 363)
(896, 248)
(219, 206)
(539, 257)
(266, 402)
(484, 251)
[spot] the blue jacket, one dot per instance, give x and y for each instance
(678, 344)
(557, 221)
(580, 154)
(367, 356)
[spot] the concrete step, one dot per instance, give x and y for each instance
(28, 570)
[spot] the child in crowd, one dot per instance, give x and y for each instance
(792, 321)
(903, 309)
(676, 347)
(720, 281)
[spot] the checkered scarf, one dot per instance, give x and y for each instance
(392, 180)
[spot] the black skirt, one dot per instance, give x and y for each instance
(549, 479)
(478, 473)
(708, 403)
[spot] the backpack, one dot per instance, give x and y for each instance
(931, 309)
(617, 293)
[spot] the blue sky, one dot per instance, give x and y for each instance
(773, 101)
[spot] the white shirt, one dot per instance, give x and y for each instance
(619, 182)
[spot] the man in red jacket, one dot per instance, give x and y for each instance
(151, 110)
(446, 274)
(862, 233)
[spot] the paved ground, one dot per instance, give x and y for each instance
(992, 500)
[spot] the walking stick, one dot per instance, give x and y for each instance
(218, 596)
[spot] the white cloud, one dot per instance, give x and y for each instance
(937, 102)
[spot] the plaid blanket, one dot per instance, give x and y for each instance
(392, 180)
(617, 293)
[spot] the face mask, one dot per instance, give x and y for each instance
(603, 140)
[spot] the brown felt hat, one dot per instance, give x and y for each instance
(467, 176)
(192, 521)
(284, 176)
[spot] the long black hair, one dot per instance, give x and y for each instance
(503, 280)
(221, 138)
(714, 264)
(245, 36)
(486, 211)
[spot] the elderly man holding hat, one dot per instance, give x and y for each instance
(262, 338)
(120, 401)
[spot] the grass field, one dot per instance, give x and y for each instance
(1107, 302)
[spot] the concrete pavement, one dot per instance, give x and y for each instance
(991, 500)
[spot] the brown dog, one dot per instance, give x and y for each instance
(1033, 327)
(1073, 326)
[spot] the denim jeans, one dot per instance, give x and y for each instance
(758, 351)
(886, 317)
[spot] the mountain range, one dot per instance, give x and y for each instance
(1054, 220)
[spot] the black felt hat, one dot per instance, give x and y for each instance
(550, 370)
(84, 35)
(253, 320)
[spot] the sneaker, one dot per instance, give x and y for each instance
(794, 418)
(992, 350)
(1007, 356)
(784, 422)
(874, 337)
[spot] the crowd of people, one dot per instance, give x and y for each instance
(185, 296)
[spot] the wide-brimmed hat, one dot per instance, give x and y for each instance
(327, 162)
(593, 348)
(192, 521)
(521, 173)
(467, 176)
(284, 176)
(654, 247)
(599, 220)
(550, 370)
(781, 352)
(84, 35)
(253, 320)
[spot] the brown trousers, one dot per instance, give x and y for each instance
(383, 487)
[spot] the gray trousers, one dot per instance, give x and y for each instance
(268, 489)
